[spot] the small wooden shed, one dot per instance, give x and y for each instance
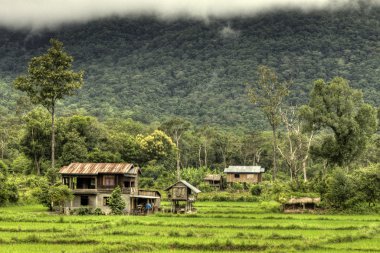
(214, 180)
(244, 174)
(182, 192)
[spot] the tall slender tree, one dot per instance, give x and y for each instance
(268, 94)
(175, 127)
(50, 78)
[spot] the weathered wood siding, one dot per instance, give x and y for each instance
(244, 178)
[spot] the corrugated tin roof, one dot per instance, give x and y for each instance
(99, 168)
(244, 169)
(213, 177)
(193, 188)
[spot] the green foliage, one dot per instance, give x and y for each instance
(116, 202)
(256, 190)
(98, 156)
(340, 190)
(59, 194)
(21, 164)
(337, 107)
(74, 150)
(8, 190)
(36, 139)
(188, 68)
(50, 77)
(157, 147)
(3, 168)
(367, 184)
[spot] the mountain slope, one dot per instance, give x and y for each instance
(148, 69)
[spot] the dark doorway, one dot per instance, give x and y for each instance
(84, 200)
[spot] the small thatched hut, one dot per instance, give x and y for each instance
(301, 204)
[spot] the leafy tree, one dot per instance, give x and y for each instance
(116, 202)
(59, 194)
(268, 94)
(103, 156)
(338, 108)
(3, 189)
(367, 183)
(340, 190)
(49, 79)
(3, 168)
(74, 150)
(175, 128)
(157, 146)
(34, 143)
(21, 164)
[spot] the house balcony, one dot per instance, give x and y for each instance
(85, 191)
(124, 190)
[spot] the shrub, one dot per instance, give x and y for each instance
(256, 190)
(367, 184)
(98, 211)
(340, 190)
(83, 211)
(271, 206)
(116, 202)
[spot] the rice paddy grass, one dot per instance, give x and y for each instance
(216, 227)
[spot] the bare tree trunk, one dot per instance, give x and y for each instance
(38, 171)
(2, 150)
(178, 161)
(224, 158)
(205, 155)
(199, 155)
(274, 153)
(52, 136)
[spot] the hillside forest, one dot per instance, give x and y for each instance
(295, 93)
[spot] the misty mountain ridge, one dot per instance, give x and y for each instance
(148, 69)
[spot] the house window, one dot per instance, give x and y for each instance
(66, 181)
(106, 201)
(84, 200)
(237, 175)
(129, 184)
(109, 180)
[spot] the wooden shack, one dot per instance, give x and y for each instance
(182, 195)
(244, 174)
(214, 180)
(301, 204)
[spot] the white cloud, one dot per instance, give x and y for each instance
(49, 13)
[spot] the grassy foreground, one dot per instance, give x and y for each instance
(218, 226)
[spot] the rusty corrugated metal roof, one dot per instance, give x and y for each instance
(99, 168)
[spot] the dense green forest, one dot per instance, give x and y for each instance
(189, 98)
(148, 69)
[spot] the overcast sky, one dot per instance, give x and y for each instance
(49, 13)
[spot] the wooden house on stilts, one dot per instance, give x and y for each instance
(182, 195)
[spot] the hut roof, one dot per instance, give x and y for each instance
(304, 200)
(99, 168)
(244, 169)
(193, 188)
(213, 177)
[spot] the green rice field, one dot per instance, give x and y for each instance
(217, 226)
